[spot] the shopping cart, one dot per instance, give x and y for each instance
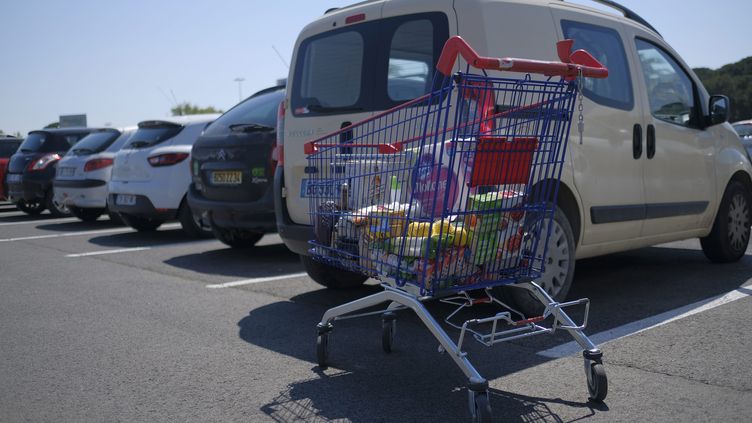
(451, 194)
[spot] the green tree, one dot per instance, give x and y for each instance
(192, 109)
(52, 125)
(733, 80)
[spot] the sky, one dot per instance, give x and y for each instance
(121, 62)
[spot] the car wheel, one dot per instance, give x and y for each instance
(86, 214)
(558, 270)
(31, 208)
(331, 277)
(236, 238)
(115, 218)
(728, 240)
(141, 224)
(194, 226)
(56, 208)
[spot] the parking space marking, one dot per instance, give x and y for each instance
(42, 221)
(99, 253)
(256, 280)
(80, 233)
(652, 322)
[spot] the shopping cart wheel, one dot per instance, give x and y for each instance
(597, 382)
(388, 329)
(481, 407)
(322, 345)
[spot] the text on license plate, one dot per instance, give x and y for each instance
(14, 177)
(66, 171)
(227, 177)
(326, 188)
(125, 200)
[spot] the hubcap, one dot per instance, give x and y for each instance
(557, 259)
(738, 222)
(60, 207)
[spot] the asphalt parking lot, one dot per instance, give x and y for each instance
(101, 323)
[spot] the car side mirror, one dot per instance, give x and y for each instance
(719, 109)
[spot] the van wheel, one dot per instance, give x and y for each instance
(559, 268)
(194, 226)
(141, 224)
(56, 209)
(236, 238)
(728, 240)
(87, 215)
(31, 208)
(331, 277)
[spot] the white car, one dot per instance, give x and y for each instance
(151, 174)
(658, 161)
(83, 173)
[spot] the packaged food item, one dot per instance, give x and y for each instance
(483, 222)
(419, 229)
(323, 225)
(497, 200)
(483, 246)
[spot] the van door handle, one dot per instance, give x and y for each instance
(637, 141)
(651, 141)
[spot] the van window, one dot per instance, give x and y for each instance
(606, 46)
(410, 60)
(370, 66)
(670, 90)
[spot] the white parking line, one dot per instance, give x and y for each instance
(103, 252)
(81, 233)
(650, 322)
(257, 280)
(43, 221)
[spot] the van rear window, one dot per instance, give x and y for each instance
(369, 66)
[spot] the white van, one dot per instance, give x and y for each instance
(658, 161)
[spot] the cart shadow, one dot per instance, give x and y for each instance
(259, 261)
(624, 288)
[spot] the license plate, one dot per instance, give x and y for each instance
(125, 200)
(14, 177)
(227, 177)
(66, 171)
(319, 189)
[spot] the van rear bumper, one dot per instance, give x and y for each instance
(294, 235)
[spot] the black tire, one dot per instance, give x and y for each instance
(115, 218)
(388, 330)
(86, 214)
(559, 269)
(56, 209)
(331, 277)
(141, 224)
(236, 238)
(192, 225)
(32, 209)
(597, 382)
(729, 238)
(482, 412)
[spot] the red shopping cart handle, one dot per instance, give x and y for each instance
(570, 66)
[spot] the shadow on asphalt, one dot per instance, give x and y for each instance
(79, 225)
(258, 262)
(24, 217)
(623, 288)
(142, 239)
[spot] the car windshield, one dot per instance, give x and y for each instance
(8, 148)
(153, 133)
(255, 113)
(95, 142)
(743, 129)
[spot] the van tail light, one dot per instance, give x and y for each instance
(278, 152)
(167, 159)
(97, 164)
(42, 162)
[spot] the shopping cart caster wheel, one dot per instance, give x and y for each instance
(388, 329)
(597, 382)
(480, 407)
(322, 345)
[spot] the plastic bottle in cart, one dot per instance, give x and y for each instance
(344, 194)
(395, 192)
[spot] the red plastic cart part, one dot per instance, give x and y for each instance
(570, 66)
(499, 161)
(527, 321)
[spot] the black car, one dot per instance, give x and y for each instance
(232, 170)
(8, 147)
(32, 169)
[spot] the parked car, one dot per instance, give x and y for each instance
(744, 129)
(658, 161)
(233, 169)
(83, 173)
(151, 174)
(8, 147)
(32, 169)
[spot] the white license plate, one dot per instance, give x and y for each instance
(66, 171)
(319, 189)
(14, 177)
(226, 177)
(125, 200)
